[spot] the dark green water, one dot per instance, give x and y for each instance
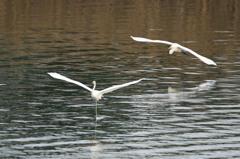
(185, 109)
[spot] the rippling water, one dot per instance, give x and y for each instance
(185, 109)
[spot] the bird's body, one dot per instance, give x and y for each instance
(95, 94)
(175, 47)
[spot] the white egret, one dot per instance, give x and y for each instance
(177, 48)
(96, 95)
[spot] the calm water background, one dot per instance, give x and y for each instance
(185, 109)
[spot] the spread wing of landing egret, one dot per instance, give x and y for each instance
(174, 47)
(96, 95)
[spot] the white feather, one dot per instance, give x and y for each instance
(140, 39)
(175, 47)
(113, 88)
(61, 77)
(96, 95)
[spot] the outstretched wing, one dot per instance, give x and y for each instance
(140, 39)
(204, 59)
(110, 89)
(61, 77)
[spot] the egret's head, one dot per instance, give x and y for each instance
(94, 85)
(170, 50)
(174, 48)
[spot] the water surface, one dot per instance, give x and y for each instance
(185, 109)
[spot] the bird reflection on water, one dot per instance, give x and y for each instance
(175, 94)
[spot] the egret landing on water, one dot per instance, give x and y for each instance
(96, 95)
(177, 48)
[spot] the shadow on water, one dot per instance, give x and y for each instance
(185, 109)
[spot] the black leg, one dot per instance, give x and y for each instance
(184, 52)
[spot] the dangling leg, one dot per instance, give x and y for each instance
(95, 132)
(96, 111)
(184, 52)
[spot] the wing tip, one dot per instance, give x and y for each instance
(55, 75)
(52, 73)
(214, 64)
(133, 37)
(211, 63)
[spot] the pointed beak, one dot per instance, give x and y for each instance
(170, 50)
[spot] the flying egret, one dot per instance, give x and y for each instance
(177, 48)
(96, 95)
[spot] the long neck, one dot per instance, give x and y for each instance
(94, 86)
